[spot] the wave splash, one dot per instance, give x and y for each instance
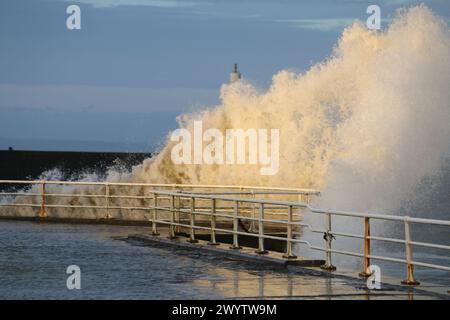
(365, 126)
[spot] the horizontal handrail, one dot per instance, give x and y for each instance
(167, 185)
(193, 203)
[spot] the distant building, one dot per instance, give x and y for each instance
(235, 75)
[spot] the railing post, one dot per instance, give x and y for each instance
(155, 215)
(261, 249)
(289, 254)
(366, 260)
(43, 211)
(213, 223)
(107, 216)
(252, 222)
(235, 226)
(192, 229)
(328, 237)
(172, 218)
(177, 212)
(409, 256)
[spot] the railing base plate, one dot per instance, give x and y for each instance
(410, 282)
(328, 267)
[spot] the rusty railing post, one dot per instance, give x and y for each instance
(177, 212)
(366, 260)
(155, 215)
(43, 210)
(328, 237)
(192, 218)
(261, 249)
(252, 222)
(235, 226)
(172, 218)
(289, 254)
(213, 223)
(409, 256)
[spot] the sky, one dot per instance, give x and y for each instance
(119, 82)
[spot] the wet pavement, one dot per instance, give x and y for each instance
(114, 265)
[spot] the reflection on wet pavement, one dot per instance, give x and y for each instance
(35, 257)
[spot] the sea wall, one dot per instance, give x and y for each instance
(24, 165)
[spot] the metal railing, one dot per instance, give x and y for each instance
(196, 209)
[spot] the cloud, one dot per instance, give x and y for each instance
(78, 97)
(326, 24)
(383, 2)
(150, 3)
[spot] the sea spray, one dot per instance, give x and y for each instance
(365, 126)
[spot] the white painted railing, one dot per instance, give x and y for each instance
(203, 206)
